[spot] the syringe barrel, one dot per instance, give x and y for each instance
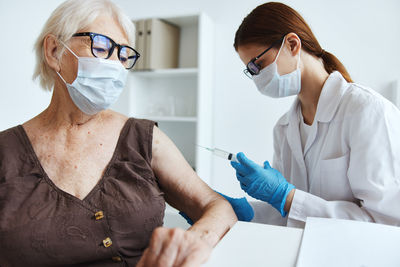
(225, 155)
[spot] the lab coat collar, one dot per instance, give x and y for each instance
(331, 95)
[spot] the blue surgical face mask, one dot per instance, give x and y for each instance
(271, 84)
(98, 83)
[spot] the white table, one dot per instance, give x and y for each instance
(252, 244)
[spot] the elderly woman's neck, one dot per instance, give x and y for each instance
(63, 112)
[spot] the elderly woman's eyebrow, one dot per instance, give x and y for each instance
(85, 40)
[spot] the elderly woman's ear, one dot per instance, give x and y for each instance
(51, 48)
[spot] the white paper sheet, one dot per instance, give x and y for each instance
(334, 242)
(257, 245)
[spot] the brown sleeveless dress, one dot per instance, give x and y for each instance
(41, 225)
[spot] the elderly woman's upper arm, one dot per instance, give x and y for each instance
(183, 188)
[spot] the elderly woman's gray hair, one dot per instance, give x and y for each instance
(70, 17)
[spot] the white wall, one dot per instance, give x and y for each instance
(364, 35)
(20, 24)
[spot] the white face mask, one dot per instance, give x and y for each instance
(270, 83)
(98, 83)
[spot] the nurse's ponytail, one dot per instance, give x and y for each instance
(332, 63)
(269, 22)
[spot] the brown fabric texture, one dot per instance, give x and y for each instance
(41, 225)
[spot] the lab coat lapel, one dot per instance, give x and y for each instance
(331, 95)
(328, 102)
(293, 137)
(311, 138)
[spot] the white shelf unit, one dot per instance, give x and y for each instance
(180, 99)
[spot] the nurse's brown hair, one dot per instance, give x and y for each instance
(271, 21)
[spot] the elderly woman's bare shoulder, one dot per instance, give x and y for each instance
(114, 118)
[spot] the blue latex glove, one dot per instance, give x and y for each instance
(266, 184)
(244, 211)
(242, 208)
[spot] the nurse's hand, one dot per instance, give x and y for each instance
(175, 247)
(266, 184)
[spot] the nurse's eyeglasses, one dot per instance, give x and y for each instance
(103, 46)
(252, 68)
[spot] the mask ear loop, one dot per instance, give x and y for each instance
(276, 58)
(72, 52)
(283, 42)
(69, 49)
(59, 75)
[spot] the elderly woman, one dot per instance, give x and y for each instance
(83, 185)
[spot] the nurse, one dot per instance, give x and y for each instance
(336, 151)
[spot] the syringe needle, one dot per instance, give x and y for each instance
(221, 153)
(209, 149)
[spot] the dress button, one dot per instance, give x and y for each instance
(116, 259)
(99, 215)
(107, 242)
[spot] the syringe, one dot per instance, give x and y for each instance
(221, 153)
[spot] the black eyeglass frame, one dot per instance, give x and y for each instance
(111, 50)
(257, 67)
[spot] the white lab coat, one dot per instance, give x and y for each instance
(351, 165)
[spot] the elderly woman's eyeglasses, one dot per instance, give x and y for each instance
(103, 46)
(252, 68)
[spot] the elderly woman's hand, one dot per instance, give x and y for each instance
(175, 247)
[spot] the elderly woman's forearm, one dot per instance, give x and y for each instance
(217, 219)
